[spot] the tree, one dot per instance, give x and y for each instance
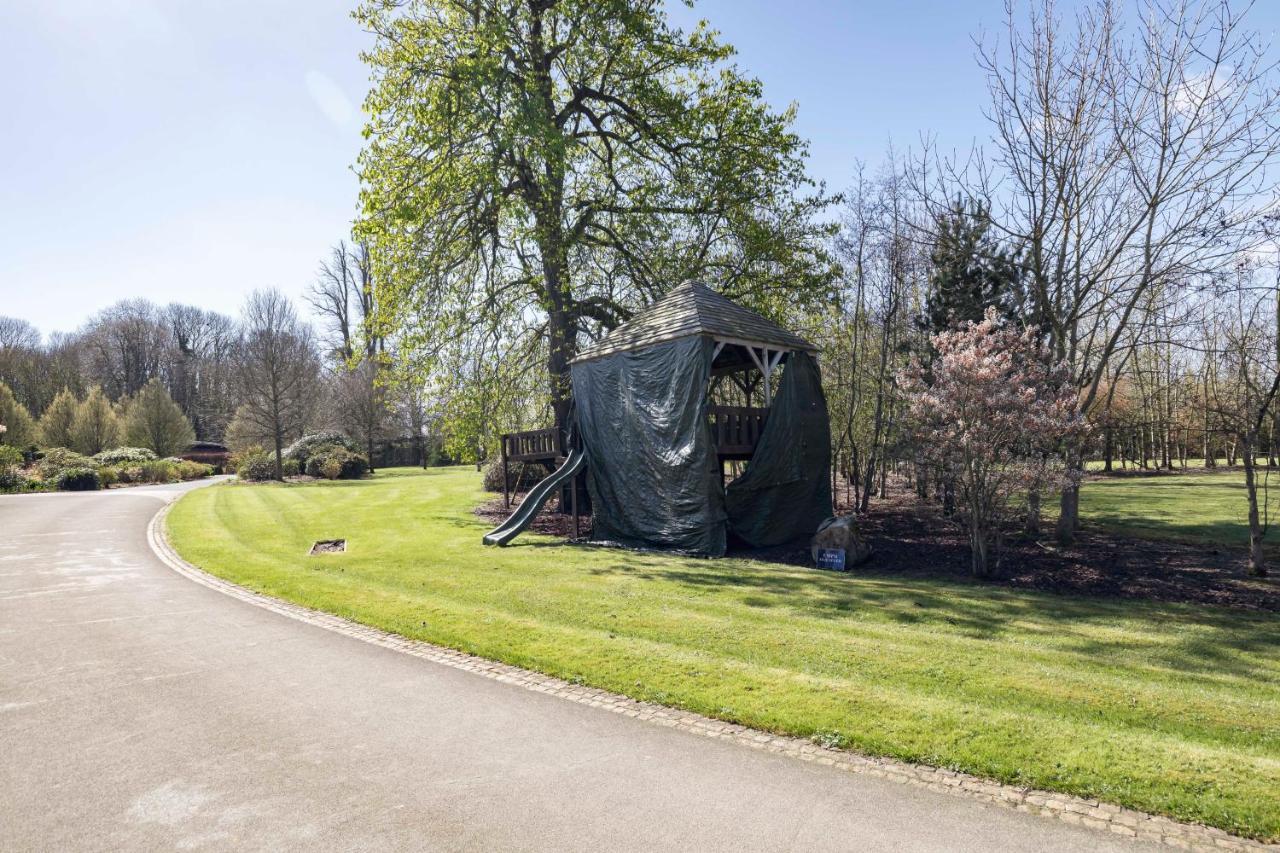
(970, 271)
(96, 427)
(1124, 167)
(197, 369)
(1246, 358)
(363, 405)
(991, 413)
(152, 420)
(20, 429)
(343, 296)
(278, 373)
(538, 169)
(57, 424)
(126, 346)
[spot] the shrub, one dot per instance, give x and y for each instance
(120, 455)
(325, 459)
(59, 459)
(128, 473)
(19, 427)
(302, 449)
(256, 466)
(58, 419)
(10, 457)
(107, 477)
(13, 480)
(990, 410)
(521, 476)
(187, 470)
(291, 468)
(96, 426)
(78, 480)
(159, 471)
(153, 420)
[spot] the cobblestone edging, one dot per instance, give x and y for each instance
(1064, 807)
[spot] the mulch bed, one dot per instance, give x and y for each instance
(911, 540)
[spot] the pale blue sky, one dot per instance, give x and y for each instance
(191, 151)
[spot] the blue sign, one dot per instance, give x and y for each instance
(831, 558)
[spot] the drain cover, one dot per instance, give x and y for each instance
(329, 546)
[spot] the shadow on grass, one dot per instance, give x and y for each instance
(1208, 642)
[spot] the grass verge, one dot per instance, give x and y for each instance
(1166, 708)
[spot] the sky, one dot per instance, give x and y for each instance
(188, 151)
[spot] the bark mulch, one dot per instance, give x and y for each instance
(911, 540)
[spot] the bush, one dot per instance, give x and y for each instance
(521, 476)
(256, 466)
(107, 477)
(335, 462)
(78, 480)
(160, 471)
(186, 470)
(291, 468)
(128, 473)
(13, 480)
(120, 455)
(55, 461)
(302, 449)
(10, 456)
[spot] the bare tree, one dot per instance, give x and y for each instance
(1122, 167)
(277, 370)
(126, 346)
(362, 404)
(197, 368)
(1245, 355)
(343, 297)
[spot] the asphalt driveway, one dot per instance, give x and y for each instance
(139, 710)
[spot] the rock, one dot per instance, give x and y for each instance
(841, 532)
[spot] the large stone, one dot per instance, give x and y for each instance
(841, 532)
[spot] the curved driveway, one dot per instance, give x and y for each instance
(139, 710)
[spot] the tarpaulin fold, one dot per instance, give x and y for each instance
(785, 492)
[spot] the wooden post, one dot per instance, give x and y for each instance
(573, 505)
(506, 494)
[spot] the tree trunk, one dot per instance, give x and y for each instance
(1033, 513)
(1257, 565)
(979, 547)
(1069, 504)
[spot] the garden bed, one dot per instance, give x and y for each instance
(911, 540)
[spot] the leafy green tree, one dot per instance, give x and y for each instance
(152, 420)
(58, 420)
(540, 168)
(96, 427)
(19, 427)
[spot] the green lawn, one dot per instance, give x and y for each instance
(1166, 708)
(1204, 508)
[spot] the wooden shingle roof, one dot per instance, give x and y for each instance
(695, 309)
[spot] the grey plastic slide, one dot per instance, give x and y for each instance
(528, 509)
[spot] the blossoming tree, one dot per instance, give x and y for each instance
(991, 413)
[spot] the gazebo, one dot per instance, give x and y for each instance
(654, 442)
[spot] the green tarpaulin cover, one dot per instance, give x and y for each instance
(785, 492)
(652, 469)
